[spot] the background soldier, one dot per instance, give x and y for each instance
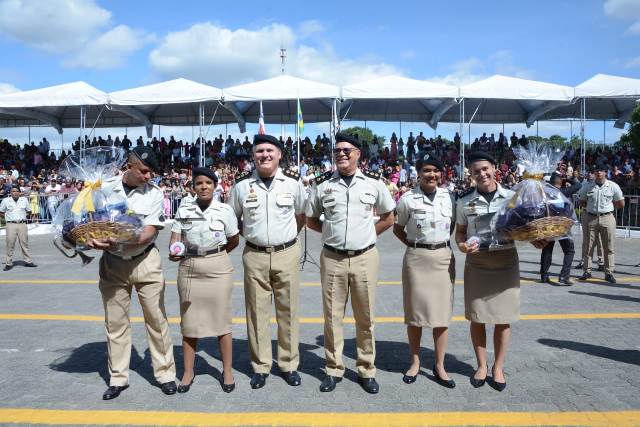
(600, 197)
(14, 210)
(123, 267)
(269, 204)
(349, 260)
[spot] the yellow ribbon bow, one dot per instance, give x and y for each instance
(84, 199)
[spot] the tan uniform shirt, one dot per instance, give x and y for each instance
(207, 229)
(15, 210)
(480, 216)
(268, 214)
(349, 211)
(600, 198)
(426, 221)
(145, 201)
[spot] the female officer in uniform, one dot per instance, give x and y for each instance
(209, 230)
(491, 278)
(424, 221)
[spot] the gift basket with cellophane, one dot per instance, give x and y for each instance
(537, 210)
(94, 212)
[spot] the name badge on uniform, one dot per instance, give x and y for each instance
(368, 200)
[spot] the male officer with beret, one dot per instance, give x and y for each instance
(600, 197)
(269, 204)
(349, 261)
(136, 264)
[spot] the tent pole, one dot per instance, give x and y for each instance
(604, 132)
(537, 128)
(201, 110)
(400, 128)
(582, 118)
(461, 114)
(29, 137)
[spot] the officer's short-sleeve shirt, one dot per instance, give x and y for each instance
(477, 214)
(600, 198)
(268, 214)
(15, 210)
(207, 229)
(146, 202)
(426, 221)
(349, 210)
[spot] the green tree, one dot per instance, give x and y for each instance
(365, 134)
(632, 137)
(558, 141)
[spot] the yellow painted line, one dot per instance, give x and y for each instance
(320, 320)
(320, 419)
(631, 279)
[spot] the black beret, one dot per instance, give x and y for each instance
(147, 156)
(345, 137)
(600, 166)
(428, 159)
(206, 172)
(554, 177)
(480, 155)
(266, 139)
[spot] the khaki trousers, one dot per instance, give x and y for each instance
(117, 279)
(341, 275)
(601, 227)
(584, 221)
(17, 232)
(274, 276)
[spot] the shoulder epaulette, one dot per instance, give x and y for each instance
(371, 174)
(291, 173)
(466, 192)
(322, 178)
(242, 175)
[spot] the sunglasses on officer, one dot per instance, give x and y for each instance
(346, 151)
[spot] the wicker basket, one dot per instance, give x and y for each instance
(542, 228)
(102, 230)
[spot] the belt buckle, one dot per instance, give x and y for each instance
(268, 249)
(351, 253)
(127, 258)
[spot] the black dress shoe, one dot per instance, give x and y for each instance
(609, 278)
(601, 267)
(113, 391)
(329, 383)
(441, 381)
(565, 281)
(258, 380)
(409, 379)
(30, 264)
(169, 388)
(370, 385)
(585, 276)
(579, 266)
(183, 388)
(545, 279)
(7, 267)
(495, 384)
(292, 378)
(227, 388)
(477, 383)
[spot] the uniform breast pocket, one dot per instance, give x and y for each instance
(185, 224)
(420, 218)
(446, 210)
(217, 230)
(367, 200)
(328, 204)
(285, 201)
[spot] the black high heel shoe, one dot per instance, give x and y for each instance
(409, 379)
(477, 383)
(441, 381)
(227, 388)
(495, 384)
(183, 388)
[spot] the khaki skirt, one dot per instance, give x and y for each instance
(204, 286)
(427, 287)
(492, 287)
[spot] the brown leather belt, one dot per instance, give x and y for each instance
(270, 249)
(430, 246)
(205, 252)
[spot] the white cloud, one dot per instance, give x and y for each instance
(220, 56)
(628, 10)
(472, 69)
(54, 26)
(8, 88)
(633, 63)
(111, 49)
(309, 28)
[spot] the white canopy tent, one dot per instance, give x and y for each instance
(279, 97)
(395, 98)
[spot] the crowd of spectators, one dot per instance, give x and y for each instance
(34, 168)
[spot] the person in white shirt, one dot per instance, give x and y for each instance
(14, 210)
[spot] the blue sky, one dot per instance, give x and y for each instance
(122, 44)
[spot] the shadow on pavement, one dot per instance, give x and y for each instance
(607, 296)
(631, 357)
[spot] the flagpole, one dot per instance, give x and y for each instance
(298, 139)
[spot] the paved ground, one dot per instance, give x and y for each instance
(576, 351)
